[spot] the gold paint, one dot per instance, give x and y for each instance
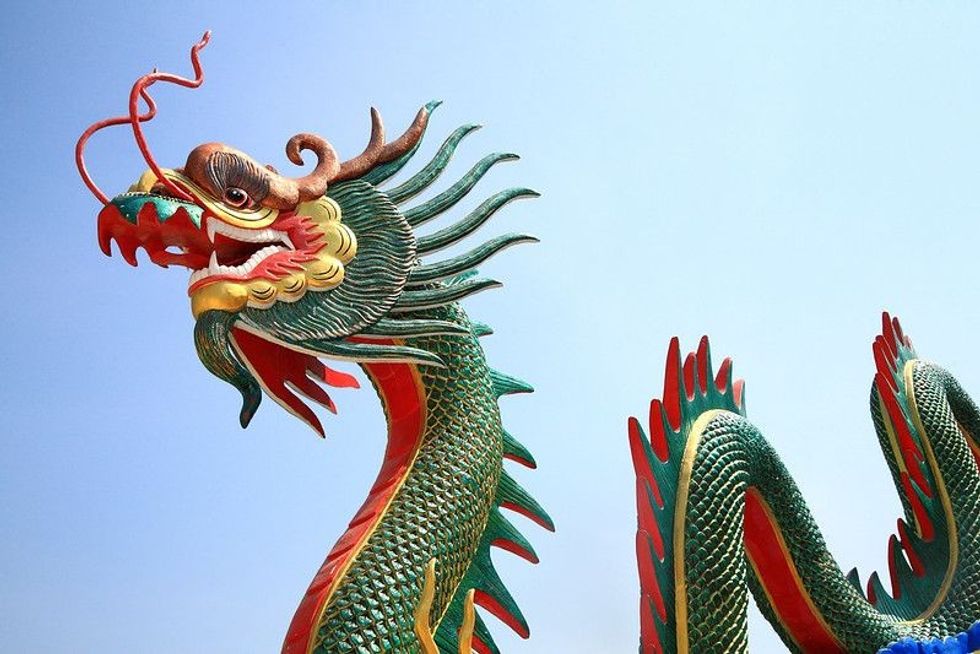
(469, 623)
(323, 273)
(422, 628)
(793, 571)
(425, 631)
(683, 487)
(228, 296)
(954, 545)
(145, 183)
(417, 377)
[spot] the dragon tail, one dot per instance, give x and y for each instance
(690, 390)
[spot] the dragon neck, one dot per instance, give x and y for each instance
(431, 499)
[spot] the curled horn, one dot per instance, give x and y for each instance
(313, 185)
(377, 152)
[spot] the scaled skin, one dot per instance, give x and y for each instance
(720, 514)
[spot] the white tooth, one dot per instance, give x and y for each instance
(285, 239)
(212, 227)
(213, 264)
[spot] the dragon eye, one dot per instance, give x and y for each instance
(236, 197)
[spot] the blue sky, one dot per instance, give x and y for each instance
(773, 174)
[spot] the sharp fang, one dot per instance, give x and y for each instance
(213, 264)
(212, 228)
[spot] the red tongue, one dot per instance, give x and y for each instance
(275, 365)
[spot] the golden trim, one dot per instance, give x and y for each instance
(469, 623)
(954, 546)
(422, 628)
(381, 514)
(680, 509)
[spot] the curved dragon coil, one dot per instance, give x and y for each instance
(719, 515)
(287, 272)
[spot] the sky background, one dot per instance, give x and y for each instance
(773, 174)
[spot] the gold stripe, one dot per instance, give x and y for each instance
(683, 486)
(422, 628)
(381, 514)
(954, 546)
(469, 623)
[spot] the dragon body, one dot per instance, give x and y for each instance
(719, 515)
(291, 272)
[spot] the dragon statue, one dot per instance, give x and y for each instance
(290, 271)
(287, 271)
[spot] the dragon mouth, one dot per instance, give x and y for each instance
(240, 254)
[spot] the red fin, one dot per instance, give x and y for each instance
(275, 366)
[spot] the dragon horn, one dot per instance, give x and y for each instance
(377, 152)
(314, 185)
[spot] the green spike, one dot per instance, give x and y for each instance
(394, 328)
(431, 171)
(472, 221)
(462, 277)
(432, 208)
(441, 295)
(516, 450)
(881, 595)
(481, 329)
(506, 385)
(476, 256)
(486, 579)
(855, 580)
(500, 528)
(373, 352)
(509, 493)
(380, 174)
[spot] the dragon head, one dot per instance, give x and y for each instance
(284, 270)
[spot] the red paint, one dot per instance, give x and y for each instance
(528, 513)
(926, 529)
(404, 402)
(672, 381)
(918, 569)
(521, 460)
(776, 569)
(689, 375)
(702, 359)
(515, 548)
(490, 604)
(658, 438)
(480, 646)
(911, 454)
(276, 366)
(724, 374)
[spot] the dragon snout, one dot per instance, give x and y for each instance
(167, 229)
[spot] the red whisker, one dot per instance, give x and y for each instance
(134, 118)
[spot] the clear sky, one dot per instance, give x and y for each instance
(773, 174)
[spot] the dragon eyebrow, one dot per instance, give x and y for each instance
(227, 169)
